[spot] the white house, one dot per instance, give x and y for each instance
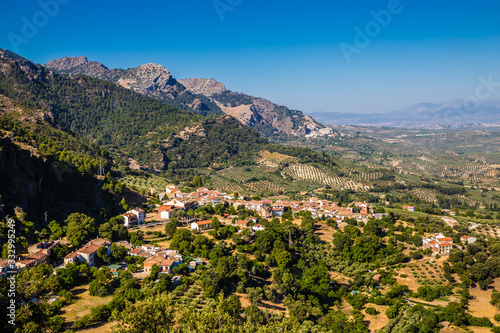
(438, 243)
(165, 212)
(140, 214)
(130, 219)
(468, 240)
(258, 227)
(202, 225)
(409, 208)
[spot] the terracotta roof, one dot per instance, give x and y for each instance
(162, 262)
(204, 222)
(100, 241)
(71, 255)
(89, 249)
(136, 251)
(464, 237)
(444, 244)
(37, 255)
(26, 262)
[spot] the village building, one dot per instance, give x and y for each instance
(256, 205)
(4, 267)
(258, 227)
(33, 260)
(438, 243)
(88, 253)
(242, 224)
(140, 214)
(46, 247)
(165, 212)
(409, 208)
(193, 264)
(201, 225)
(130, 219)
(164, 262)
(265, 212)
(467, 240)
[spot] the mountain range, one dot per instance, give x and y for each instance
(452, 114)
(201, 96)
(139, 131)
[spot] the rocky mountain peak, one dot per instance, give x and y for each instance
(151, 77)
(207, 87)
(67, 63)
(6, 54)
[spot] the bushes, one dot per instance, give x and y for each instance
(371, 311)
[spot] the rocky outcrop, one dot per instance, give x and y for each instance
(207, 87)
(149, 79)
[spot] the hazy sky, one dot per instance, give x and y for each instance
(290, 52)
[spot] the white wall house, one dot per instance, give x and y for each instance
(202, 225)
(140, 214)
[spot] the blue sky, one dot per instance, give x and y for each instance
(288, 52)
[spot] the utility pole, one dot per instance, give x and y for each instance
(101, 171)
(46, 216)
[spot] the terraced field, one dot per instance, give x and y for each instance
(144, 184)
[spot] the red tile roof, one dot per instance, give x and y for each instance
(89, 249)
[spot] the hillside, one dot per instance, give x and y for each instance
(135, 128)
(139, 131)
(202, 96)
(44, 169)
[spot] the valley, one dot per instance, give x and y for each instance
(168, 212)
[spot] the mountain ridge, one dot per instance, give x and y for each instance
(455, 113)
(202, 96)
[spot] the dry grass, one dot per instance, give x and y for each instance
(480, 305)
(480, 329)
(325, 232)
(450, 221)
(451, 329)
(82, 305)
(377, 322)
(105, 328)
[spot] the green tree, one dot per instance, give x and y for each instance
(254, 315)
(152, 315)
(80, 228)
(114, 230)
(118, 252)
(102, 253)
(54, 283)
(171, 228)
(216, 223)
(123, 205)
